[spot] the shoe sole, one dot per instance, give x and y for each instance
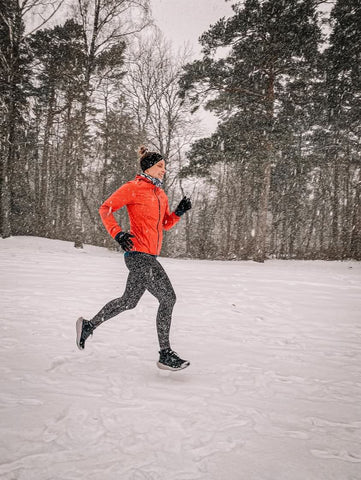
(79, 328)
(161, 366)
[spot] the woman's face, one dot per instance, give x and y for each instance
(157, 170)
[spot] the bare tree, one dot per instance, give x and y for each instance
(104, 23)
(164, 120)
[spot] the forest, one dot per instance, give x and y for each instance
(82, 85)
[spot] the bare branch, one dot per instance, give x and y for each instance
(45, 20)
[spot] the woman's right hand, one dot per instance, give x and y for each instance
(124, 240)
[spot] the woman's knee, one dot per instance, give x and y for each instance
(131, 303)
(128, 302)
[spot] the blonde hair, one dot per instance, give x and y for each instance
(142, 150)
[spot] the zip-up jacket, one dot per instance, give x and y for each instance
(148, 212)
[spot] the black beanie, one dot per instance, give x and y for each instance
(149, 159)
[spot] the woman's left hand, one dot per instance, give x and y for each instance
(184, 205)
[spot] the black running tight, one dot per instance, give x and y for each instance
(145, 273)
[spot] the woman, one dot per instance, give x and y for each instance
(149, 214)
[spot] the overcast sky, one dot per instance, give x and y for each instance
(183, 21)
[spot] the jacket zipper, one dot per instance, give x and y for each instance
(155, 190)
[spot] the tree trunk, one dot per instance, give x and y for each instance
(347, 213)
(78, 231)
(356, 224)
(5, 197)
(261, 232)
(78, 210)
(7, 177)
(335, 210)
(67, 198)
(44, 170)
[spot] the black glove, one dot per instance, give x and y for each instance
(124, 240)
(184, 205)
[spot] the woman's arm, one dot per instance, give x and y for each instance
(117, 200)
(169, 219)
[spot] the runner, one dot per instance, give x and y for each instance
(149, 215)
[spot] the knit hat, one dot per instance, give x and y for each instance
(148, 159)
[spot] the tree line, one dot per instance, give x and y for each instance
(284, 163)
(280, 176)
(77, 100)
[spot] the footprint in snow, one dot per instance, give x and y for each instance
(58, 362)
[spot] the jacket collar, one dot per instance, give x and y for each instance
(148, 178)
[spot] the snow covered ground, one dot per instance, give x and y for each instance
(273, 391)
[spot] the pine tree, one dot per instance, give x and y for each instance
(268, 43)
(343, 85)
(14, 91)
(59, 59)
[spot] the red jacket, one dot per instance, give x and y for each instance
(148, 212)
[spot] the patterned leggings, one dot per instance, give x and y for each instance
(145, 273)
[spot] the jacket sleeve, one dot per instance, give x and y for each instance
(169, 219)
(117, 200)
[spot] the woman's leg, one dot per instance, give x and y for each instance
(135, 288)
(160, 286)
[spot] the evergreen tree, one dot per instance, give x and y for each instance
(14, 92)
(343, 86)
(59, 59)
(268, 44)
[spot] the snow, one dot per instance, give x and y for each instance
(273, 391)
